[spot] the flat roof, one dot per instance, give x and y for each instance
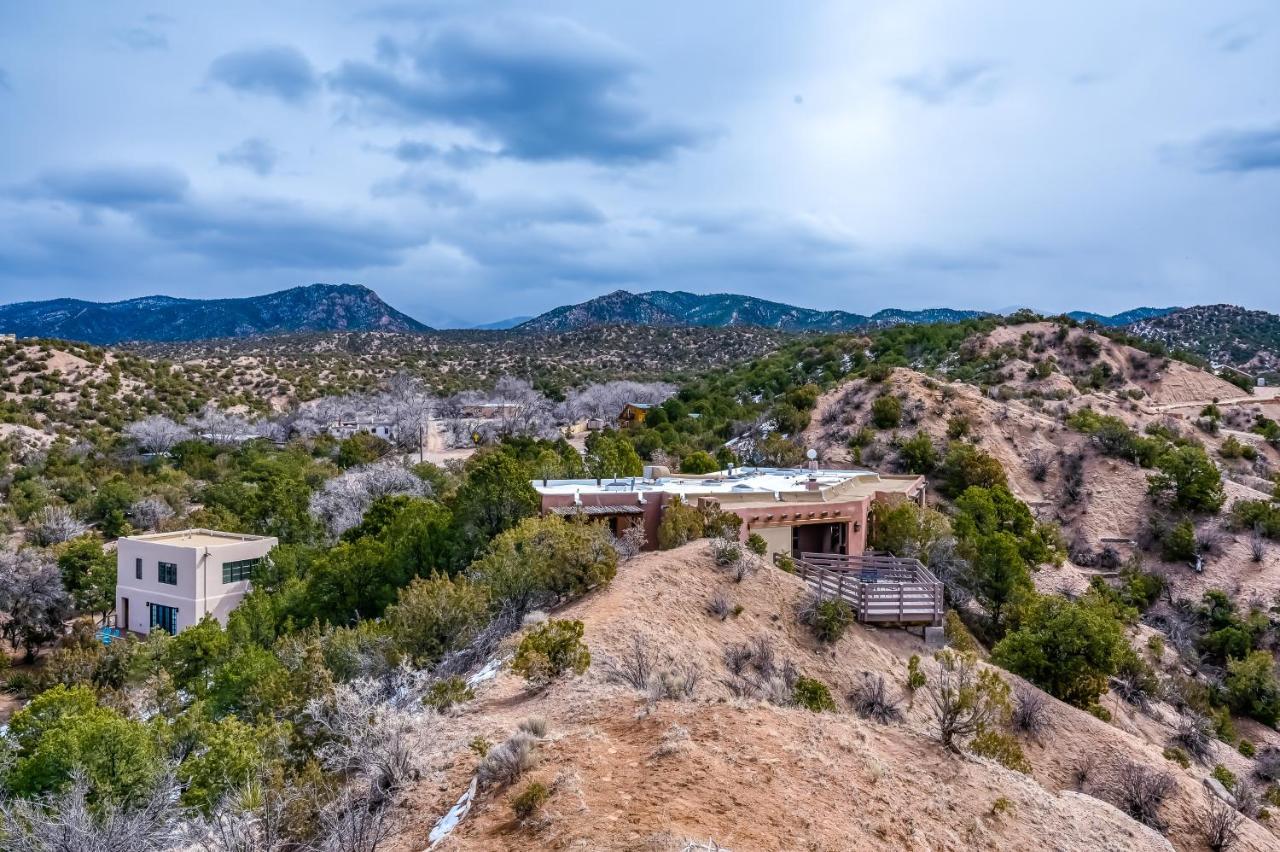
(761, 482)
(197, 538)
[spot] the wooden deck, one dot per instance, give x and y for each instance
(881, 589)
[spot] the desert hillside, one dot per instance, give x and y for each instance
(627, 772)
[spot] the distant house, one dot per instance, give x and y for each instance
(633, 414)
(8, 338)
(347, 427)
(170, 581)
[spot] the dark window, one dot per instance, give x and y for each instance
(137, 568)
(164, 617)
(167, 573)
(242, 569)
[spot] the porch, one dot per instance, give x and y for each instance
(881, 589)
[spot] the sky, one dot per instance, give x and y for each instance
(472, 161)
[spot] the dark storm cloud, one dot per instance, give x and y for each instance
(255, 154)
(973, 82)
(542, 89)
(1242, 150)
(276, 70)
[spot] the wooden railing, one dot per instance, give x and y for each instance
(881, 589)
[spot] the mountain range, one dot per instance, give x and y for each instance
(1224, 335)
(660, 307)
(1126, 318)
(318, 307)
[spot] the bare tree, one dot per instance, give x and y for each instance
(354, 823)
(56, 524)
(33, 601)
(341, 503)
(605, 401)
(69, 822)
(1194, 733)
(221, 427)
(156, 434)
(150, 512)
(630, 543)
(250, 819)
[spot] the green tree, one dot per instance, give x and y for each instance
(544, 560)
(195, 653)
(1188, 479)
(495, 495)
(681, 524)
(698, 462)
(903, 528)
(63, 730)
(998, 575)
(251, 684)
(965, 466)
(77, 559)
(551, 650)
(361, 448)
(1067, 648)
(981, 512)
(610, 454)
(436, 615)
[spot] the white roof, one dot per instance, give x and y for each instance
(197, 538)
(755, 480)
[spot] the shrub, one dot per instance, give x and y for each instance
(1247, 748)
(530, 800)
(915, 677)
(870, 699)
(964, 466)
(1141, 791)
(681, 524)
(1224, 776)
(1030, 712)
(436, 615)
(756, 544)
(1178, 756)
(1252, 689)
(1001, 748)
(1219, 825)
(444, 694)
(964, 698)
(550, 650)
(1179, 543)
(1193, 735)
(1267, 764)
(543, 560)
(886, 412)
(725, 552)
(957, 635)
(718, 606)
(812, 695)
(505, 763)
(917, 454)
(675, 683)
(829, 618)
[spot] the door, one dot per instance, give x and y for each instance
(164, 618)
(123, 621)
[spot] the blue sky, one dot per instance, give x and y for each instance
(476, 161)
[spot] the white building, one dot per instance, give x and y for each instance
(172, 580)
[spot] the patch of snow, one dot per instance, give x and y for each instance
(487, 672)
(449, 821)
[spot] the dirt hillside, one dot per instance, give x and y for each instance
(628, 773)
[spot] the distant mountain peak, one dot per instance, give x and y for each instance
(312, 307)
(679, 308)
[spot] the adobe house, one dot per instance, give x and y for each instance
(795, 510)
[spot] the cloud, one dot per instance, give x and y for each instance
(455, 156)
(117, 186)
(1235, 36)
(141, 38)
(1245, 150)
(255, 154)
(276, 70)
(542, 89)
(436, 191)
(973, 82)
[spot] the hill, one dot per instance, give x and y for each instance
(1221, 334)
(628, 772)
(318, 307)
(1125, 318)
(677, 308)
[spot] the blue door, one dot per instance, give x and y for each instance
(164, 617)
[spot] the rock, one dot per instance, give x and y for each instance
(1214, 786)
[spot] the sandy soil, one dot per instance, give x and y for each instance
(628, 774)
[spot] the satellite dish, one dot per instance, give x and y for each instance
(812, 454)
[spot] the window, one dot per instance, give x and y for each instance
(137, 568)
(242, 569)
(164, 617)
(167, 573)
